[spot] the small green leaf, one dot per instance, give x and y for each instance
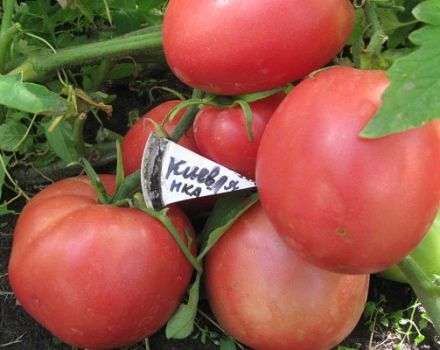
(4, 210)
(428, 12)
(226, 211)
(228, 344)
(30, 97)
(419, 339)
(181, 324)
(11, 134)
(423, 323)
(61, 141)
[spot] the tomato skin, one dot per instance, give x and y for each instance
(346, 203)
(96, 276)
(235, 47)
(221, 135)
(426, 255)
(134, 140)
(263, 294)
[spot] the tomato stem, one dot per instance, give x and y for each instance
(166, 221)
(26, 175)
(427, 292)
(128, 187)
(38, 66)
(6, 37)
(188, 117)
(103, 196)
(378, 37)
(78, 134)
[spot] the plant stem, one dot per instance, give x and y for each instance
(37, 67)
(29, 175)
(130, 185)
(187, 118)
(5, 40)
(103, 69)
(7, 31)
(8, 11)
(378, 37)
(78, 134)
(166, 221)
(427, 292)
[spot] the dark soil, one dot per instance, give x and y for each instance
(18, 331)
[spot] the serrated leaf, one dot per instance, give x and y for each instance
(225, 212)
(30, 97)
(412, 97)
(181, 324)
(61, 141)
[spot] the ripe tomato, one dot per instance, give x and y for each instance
(240, 46)
(134, 140)
(263, 294)
(347, 203)
(221, 135)
(426, 254)
(97, 276)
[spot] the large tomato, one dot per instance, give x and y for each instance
(134, 140)
(221, 133)
(263, 294)
(347, 203)
(240, 46)
(97, 276)
(426, 254)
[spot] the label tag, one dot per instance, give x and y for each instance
(171, 173)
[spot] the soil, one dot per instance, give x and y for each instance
(18, 331)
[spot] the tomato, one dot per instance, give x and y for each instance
(427, 256)
(134, 140)
(347, 203)
(97, 276)
(240, 46)
(221, 135)
(266, 296)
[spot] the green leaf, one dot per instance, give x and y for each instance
(30, 97)
(61, 141)
(225, 212)
(181, 324)
(11, 134)
(428, 12)
(419, 339)
(411, 99)
(228, 344)
(4, 209)
(247, 111)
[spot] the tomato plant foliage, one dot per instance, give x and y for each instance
(412, 98)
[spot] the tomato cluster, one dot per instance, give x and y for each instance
(334, 207)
